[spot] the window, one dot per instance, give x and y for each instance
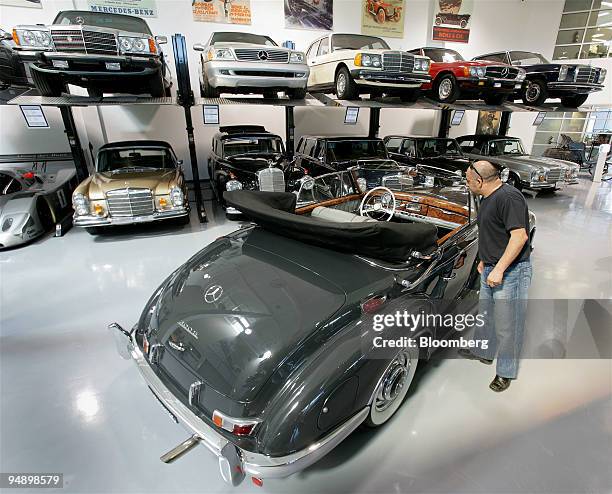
(323, 47)
(312, 51)
(252, 145)
(409, 148)
(443, 55)
(134, 159)
(585, 30)
(555, 125)
(393, 144)
(308, 146)
(527, 58)
(494, 57)
(99, 19)
(357, 42)
(430, 148)
(236, 37)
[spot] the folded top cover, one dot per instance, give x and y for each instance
(275, 211)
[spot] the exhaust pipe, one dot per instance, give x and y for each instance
(178, 451)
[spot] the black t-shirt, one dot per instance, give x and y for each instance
(500, 213)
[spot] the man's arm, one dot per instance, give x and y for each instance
(518, 238)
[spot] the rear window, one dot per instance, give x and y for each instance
(99, 19)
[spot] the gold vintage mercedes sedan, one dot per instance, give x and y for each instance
(134, 182)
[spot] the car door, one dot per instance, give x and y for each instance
(320, 66)
(311, 55)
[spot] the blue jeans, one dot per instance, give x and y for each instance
(504, 308)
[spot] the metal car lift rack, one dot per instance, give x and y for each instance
(186, 99)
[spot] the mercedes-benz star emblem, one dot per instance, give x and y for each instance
(213, 294)
(504, 72)
(262, 55)
(69, 39)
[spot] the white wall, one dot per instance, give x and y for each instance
(497, 25)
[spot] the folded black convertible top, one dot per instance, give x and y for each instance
(387, 241)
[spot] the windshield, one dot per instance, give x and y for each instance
(324, 187)
(354, 150)
(98, 19)
(527, 58)
(505, 146)
(253, 39)
(134, 159)
(442, 55)
(357, 42)
(252, 145)
(430, 148)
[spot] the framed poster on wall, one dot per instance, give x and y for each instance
(33, 4)
(138, 8)
(383, 18)
(222, 11)
(488, 122)
(315, 14)
(452, 20)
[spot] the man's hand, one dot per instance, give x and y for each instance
(480, 267)
(495, 277)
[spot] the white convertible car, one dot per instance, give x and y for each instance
(352, 64)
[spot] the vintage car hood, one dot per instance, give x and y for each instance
(527, 160)
(234, 312)
(157, 180)
(252, 163)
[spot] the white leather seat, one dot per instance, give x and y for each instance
(338, 216)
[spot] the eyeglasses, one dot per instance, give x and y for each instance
(497, 173)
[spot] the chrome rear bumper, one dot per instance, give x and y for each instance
(229, 455)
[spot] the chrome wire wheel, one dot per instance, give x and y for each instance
(393, 386)
(533, 92)
(445, 89)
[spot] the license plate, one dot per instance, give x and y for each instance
(113, 66)
(518, 86)
(497, 84)
(172, 416)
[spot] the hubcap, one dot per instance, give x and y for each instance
(341, 85)
(533, 91)
(445, 89)
(392, 382)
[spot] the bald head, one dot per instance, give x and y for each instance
(486, 170)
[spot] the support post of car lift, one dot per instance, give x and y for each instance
(374, 122)
(504, 123)
(445, 121)
(289, 131)
(78, 156)
(186, 99)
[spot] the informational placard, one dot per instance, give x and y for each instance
(457, 117)
(211, 114)
(33, 4)
(452, 20)
(313, 14)
(34, 116)
(138, 8)
(540, 118)
(351, 116)
(383, 18)
(222, 11)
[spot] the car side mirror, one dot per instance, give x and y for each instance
(161, 40)
(199, 47)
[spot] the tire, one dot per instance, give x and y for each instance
(446, 89)
(462, 24)
(156, 87)
(535, 92)
(344, 85)
(392, 387)
(574, 101)
(495, 99)
(207, 90)
(299, 93)
(514, 181)
(410, 95)
(94, 230)
(438, 21)
(48, 86)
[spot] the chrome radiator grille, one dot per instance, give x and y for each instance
(556, 175)
(130, 202)
(587, 75)
(501, 72)
(271, 180)
(255, 55)
(91, 42)
(397, 61)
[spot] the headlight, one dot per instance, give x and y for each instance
(563, 72)
(477, 71)
(368, 60)
(504, 175)
(538, 175)
(421, 64)
(429, 181)
(136, 45)
(362, 184)
(220, 54)
(296, 57)
(233, 185)
(33, 38)
(602, 75)
(80, 204)
(176, 196)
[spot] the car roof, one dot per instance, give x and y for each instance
(484, 137)
(342, 138)
(417, 137)
(136, 143)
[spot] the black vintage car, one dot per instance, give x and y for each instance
(103, 52)
(319, 155)
(262, 344)
(571, 82)
(249, 157)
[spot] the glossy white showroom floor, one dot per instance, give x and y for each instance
(69, 404)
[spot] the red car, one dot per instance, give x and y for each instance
(383, 11)
(454, 78)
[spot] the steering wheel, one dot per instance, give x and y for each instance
(379, 205)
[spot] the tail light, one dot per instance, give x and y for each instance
(238, 427)
(373, 304)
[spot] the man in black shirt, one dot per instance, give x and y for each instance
(505, 271)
